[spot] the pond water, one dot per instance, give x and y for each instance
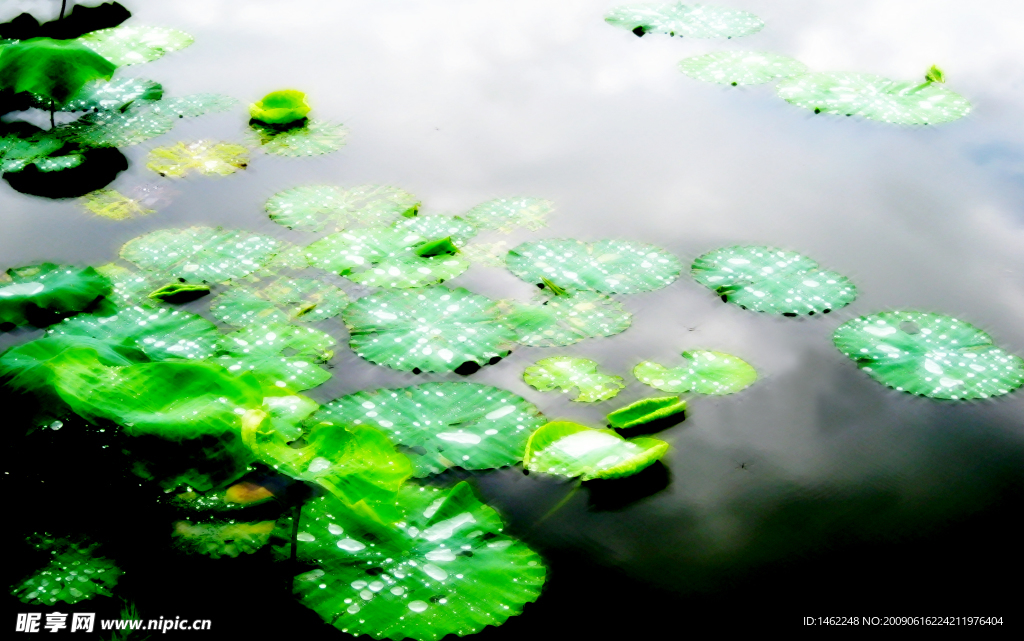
(814, 492)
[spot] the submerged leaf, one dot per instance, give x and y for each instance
(874, 97)
(435, 329)
(741, 67)
(570, 449)
(647, 410)
(930, 355)
(505, 214)
(222, 539)
(567, 372)
(766, 279)
(109, 203)
(204, 254)
(607, 266)
(203, 156)
(678, 19)
(75, 573)
(311, 139)
(704, 373)
(41, 294)
(311, 207)
(560, 320)
(444, 425)
(131, 45)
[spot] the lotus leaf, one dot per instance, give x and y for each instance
(50, 69)
(196, 105)
(453, 228)
(570, 449)
(130, 288)
(312, 139)
(114, 205)
(161, 333)
(17, 152)
(280, 107)
(454, 424)
(118, 128)
(203, 156)
(607, 266)
(311, 207)
(567, 372)
(222, 539)
(766, 279)
(647, 410)
(306, 299)
(287, 410)
(874, 97)
(930, 355)
(281, 355)
(203, 254)
(447, 568)
(242, 306)
(75, 573)
(561, 320)
(131, 45)
(40, 294)
(678, 19)
(704, 373)
(59, 163)
(435, 329)
(179, 293)
(741, 67)
(113, 95)
(505, 214)
(486, 254)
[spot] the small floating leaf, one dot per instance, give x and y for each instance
(741, 67)
(440, 247)
(280, 107)
(112, 204)
(203, 156)
(311, 207)
(607, 266)
(312, 139)
(204, 254)
(766, 279)
(75, 573)
(179, 292)
(567, 372)
(131, 45)
(42, 293)
(560, 320)
(434, 329)
(216, 540)
(647, 410)
(935, 75)
(161, 333)
(305, 299)
(678, 19)
(570, 449)
(505, 214)
(930, 355)
(874, 97)
(704, 373)
(463, 425)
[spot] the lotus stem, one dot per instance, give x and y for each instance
(565, 499)
(63, 5)
(52, 125)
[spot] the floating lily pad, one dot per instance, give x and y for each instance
(130, 288)
(449, 569)
(117, 128)
(704, 373)
(131, 45)
(570, 449)
(647, 410)
(217, 540)
(305, 299)
(766, 279)
(196, 105)
(161, 333)
(241, 306)
(607, 266)
(874, 97)
(41, 294)
(567, 372)
(75, 573)
(114, 205)
(311, 207)
(486, 254)
(452, 227)
(281, 355)
(506, 214)
(17, 152)
(678, 19)
(204, 254)
(930, 355)
(444, 424)
(312, 139)
(560, 320)
(203, 156)
(113, 95)
(741, 67)
(435, 329)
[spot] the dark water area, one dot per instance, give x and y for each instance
(815, 492)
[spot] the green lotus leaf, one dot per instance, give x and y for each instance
(305, 299)
(874, 97)
(17, 152)
(203, 254)
(289, 258)
(75, 573)
(506, 214)
(486, 254)
(280, 107)
(929, 355)
(645, 411)
(179, 293)
(114, 205)
(50, 69)
(196, 105)
(435, 329)
(279, 355)
(311, 139)
(934, 74)
(311, 207)
(383, 257)
(241, 306)
(161, 333)
(118, 128)
(287, 411)
(447, 569)
(568, 372)
(766, 279)
(129, 288)
(444, 425)
(570, 449)
(217, 540)
(607, 266)
(203, 156)
(455, 229)
(705, 372)
(741, 67)
(115, 95)
(560, 320)
(678, 19)
(132, 45)
(41, 294)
